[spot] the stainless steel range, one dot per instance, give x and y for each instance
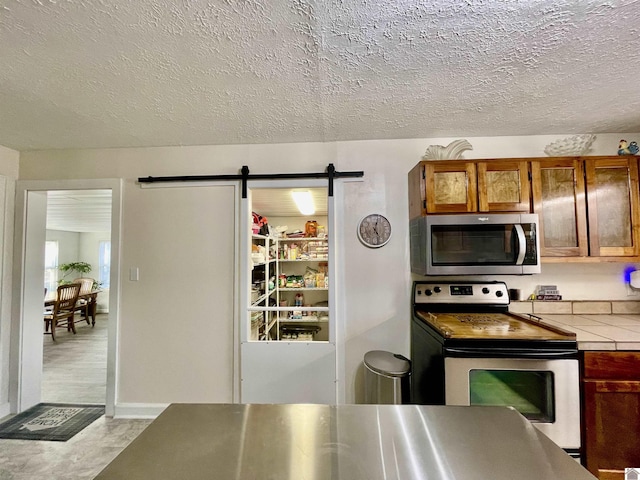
(468, 349)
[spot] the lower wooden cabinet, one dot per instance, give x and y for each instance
(611, 412)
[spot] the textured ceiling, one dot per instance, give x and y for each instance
(116, 73)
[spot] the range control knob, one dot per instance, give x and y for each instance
(485, 290)
(437, 289)
(499, 293)
(428, 292)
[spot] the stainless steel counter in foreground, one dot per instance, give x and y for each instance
(350, 442)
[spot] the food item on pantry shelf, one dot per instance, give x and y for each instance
(311, 228)
(280, 231)
(295, 281)
(317, 249)
(258, 254)
(310, 277)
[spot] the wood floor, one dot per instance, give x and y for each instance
(75, 366)
(74, 371)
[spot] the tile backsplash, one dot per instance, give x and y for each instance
(579, 307)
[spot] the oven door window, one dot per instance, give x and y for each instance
(473, 245)
(528, 391)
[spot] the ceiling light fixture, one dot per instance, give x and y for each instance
(304, 202)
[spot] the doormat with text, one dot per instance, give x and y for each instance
(56, 422)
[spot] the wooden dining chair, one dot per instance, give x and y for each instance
(63, 309)
(83, 304)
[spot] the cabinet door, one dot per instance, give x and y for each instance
(503, 186)
(611, 426)
(612, 197)
(451, 187)
(611, 412)
(559, 201)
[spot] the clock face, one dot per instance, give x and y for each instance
(374, 230)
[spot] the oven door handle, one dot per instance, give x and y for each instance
(536, 353)
(522, 243)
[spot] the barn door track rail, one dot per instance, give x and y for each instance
(331, 173)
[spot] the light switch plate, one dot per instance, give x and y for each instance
(134, 274)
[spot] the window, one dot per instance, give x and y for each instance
(51, 265)
(104, 264)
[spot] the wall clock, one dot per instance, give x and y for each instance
(374, 230)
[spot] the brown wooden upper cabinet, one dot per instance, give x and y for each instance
(559, 200)
(601, 192)
(612, 201)
(589, 207)
(467, 186)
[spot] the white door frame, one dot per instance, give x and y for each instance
(24, 387)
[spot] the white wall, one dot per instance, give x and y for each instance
(68, 248)
(9, 160)
(377, 282)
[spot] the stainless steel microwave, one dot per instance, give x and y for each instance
(475, 244)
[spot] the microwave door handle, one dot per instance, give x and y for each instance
(522, 243)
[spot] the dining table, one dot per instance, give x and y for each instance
(90, 297)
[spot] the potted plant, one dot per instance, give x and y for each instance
(68, 268)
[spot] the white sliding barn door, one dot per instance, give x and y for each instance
(285, 371)
(178, 286)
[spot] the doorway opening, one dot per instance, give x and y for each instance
(27, 342)
(78, 235)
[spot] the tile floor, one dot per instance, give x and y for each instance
(74, 371)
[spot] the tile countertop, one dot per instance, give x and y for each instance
(598, 325)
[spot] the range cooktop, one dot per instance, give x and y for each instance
(478, 310)
(492, 326)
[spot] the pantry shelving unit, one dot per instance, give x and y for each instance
(290, 291)
(262, 287)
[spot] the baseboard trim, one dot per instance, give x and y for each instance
(139, 410)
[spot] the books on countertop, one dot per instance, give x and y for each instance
(548, 297)
(548, 292)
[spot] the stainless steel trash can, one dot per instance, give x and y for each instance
(386, 378)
